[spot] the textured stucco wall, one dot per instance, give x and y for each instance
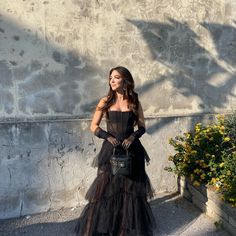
(54, 60)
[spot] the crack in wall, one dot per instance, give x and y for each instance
(9, 175)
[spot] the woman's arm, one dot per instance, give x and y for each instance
(96, 129)
(141, 123)
(139, 132)
(98, 114)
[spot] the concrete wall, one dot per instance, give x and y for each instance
(54, 60)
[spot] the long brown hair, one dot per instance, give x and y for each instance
(129, 94)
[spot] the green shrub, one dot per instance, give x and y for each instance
(229, 177)
(206, 156)
(230, 126)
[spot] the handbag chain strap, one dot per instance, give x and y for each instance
(114, 151)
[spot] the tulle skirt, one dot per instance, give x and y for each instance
(118, 205)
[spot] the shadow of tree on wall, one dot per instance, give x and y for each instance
(46, 78)
(192, 70)
(39, 78)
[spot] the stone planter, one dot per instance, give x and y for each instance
(209, 202)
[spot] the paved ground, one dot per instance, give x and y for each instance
(174, 215)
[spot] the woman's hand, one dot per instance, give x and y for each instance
(113, 141)
(127, 142)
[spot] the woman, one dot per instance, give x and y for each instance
(118, 204)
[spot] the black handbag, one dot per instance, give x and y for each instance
(121, 163)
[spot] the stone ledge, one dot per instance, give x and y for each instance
(209, 202)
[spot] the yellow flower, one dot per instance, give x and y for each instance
(204, 165)
(193, 152)
(213, 180)
(197, 142)
(222, 198)
(228, 173)
(222, 164)
(191, 177)
(217, 187)
(196, 183)
(171, 140)
(187, 135)
(198, 125)
(222, 128)
(226, 139)
(188, 148)
(202, 176)
(221, 116)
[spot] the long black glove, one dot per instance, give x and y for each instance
(138, 133)
(135, 135)
(100, 133)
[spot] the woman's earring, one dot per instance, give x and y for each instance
(125, 91)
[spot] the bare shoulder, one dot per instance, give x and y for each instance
(102, 102)
(104, 99)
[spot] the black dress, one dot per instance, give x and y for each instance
(117, 204)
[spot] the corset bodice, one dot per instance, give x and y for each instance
(120, 123)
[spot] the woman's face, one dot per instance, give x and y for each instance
(116, 81)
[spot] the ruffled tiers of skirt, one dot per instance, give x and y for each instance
(117, 206)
